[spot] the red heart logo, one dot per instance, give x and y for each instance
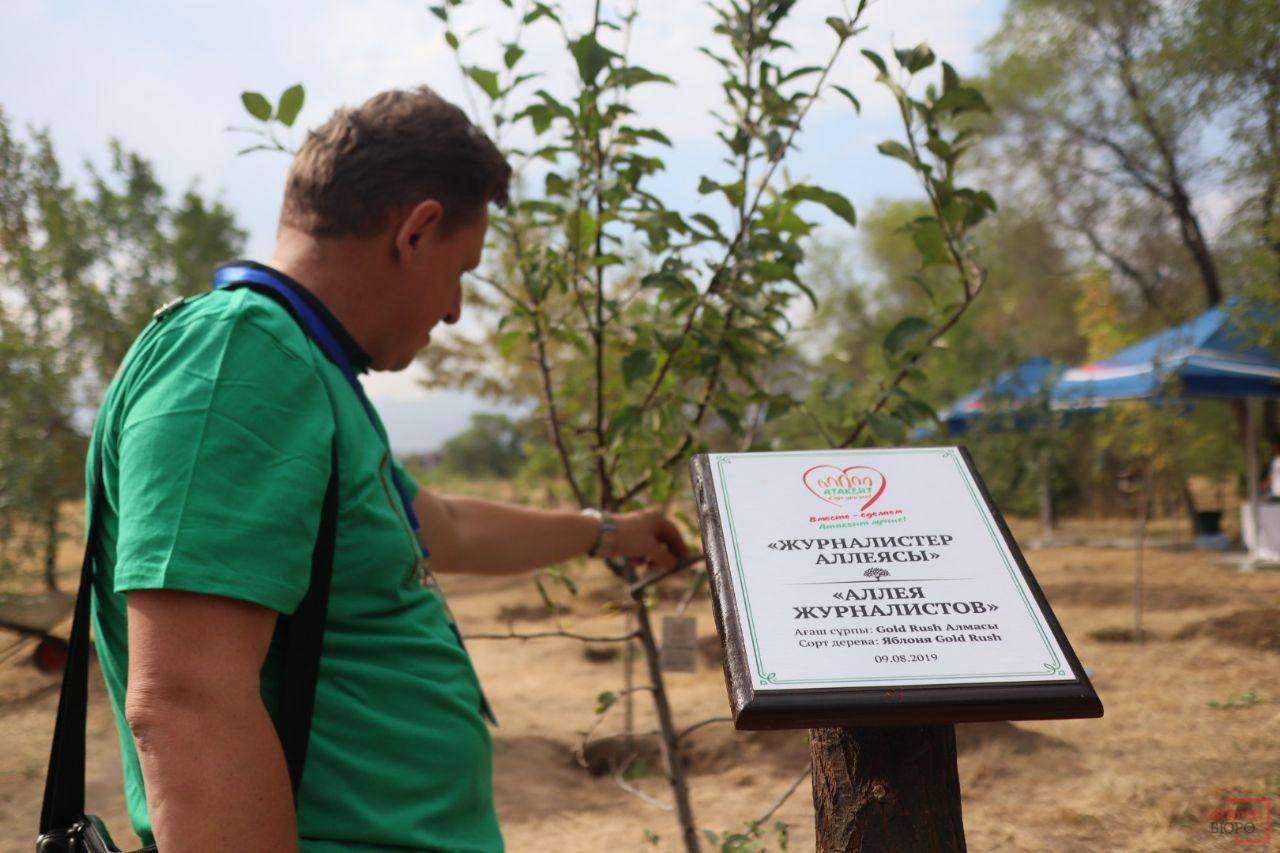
(842, 486)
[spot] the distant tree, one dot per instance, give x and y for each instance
(492, 446)
(79, 277)
(1097, 117)
(1232, 49)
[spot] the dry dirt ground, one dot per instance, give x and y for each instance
(1192, 716)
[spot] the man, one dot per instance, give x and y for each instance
(215, 439)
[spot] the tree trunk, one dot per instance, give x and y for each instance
(667, 738)
(1046, 493)
(51, 546)
(886, 790)
(1193, 239)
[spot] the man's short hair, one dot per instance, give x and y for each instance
(399, 147)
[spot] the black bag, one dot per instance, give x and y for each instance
(64, 826)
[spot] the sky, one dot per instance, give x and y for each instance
(165, 79)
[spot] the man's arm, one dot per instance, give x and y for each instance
(489, 537)
(215, 772)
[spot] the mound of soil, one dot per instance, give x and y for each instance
(970, 736)
(1121, 635)
(1247, 629)
(530, 612)
(1154, 597)
(595, 653)
(719, 747)
(712, 749)
(672, 590)
(606, 755)
(710, 650)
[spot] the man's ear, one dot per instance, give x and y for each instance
(422, 222)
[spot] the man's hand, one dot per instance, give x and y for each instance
(649, 537)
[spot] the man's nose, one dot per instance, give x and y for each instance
(455, 314)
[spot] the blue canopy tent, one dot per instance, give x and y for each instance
(1016, 400)
(998, 403)
(1208, 357)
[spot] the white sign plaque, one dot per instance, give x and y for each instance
(874, 570)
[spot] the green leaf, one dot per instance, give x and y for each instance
(257, 105)
(841, 27)
(451, 39)
(961, 99)
(939, 147)
(930, 241)
(732, 419)
(893, 148)
(902, 335)
(637, 365)
(541, 10)
(591, 56)
(773, 145)
(875, 60)
(507, 342)
(486, 80)
(887, 428)
(857, 105)
(605, 701)
(800, 72)
(646, 133)
(832, 201)
(627, 418)
(708, 223)
(916, 59)
(778, 405)
(635, 75)
(950, 79)
(512, 55)
(587, 227)
(291, 100)
(441, 12)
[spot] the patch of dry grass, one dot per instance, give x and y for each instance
(1145, 777)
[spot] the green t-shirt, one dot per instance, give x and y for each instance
(215, 437)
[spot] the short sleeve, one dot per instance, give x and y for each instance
(406, 479)
(224, 458)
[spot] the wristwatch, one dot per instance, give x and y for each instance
(607, 534)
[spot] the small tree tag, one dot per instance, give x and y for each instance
(679, 644)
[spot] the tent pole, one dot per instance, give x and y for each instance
(1251, 473)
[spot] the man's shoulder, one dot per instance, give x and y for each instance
(238, 341)
(224, 316)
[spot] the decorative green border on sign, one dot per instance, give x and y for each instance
(1052, 667)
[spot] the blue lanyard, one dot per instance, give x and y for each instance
(318, 331)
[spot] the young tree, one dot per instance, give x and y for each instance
(643, 330)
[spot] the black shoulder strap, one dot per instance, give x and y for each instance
(303, 636)
(64, 782)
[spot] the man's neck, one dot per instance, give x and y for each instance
(337, 272)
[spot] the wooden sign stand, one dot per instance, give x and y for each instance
(886, 789)
(878, 629)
